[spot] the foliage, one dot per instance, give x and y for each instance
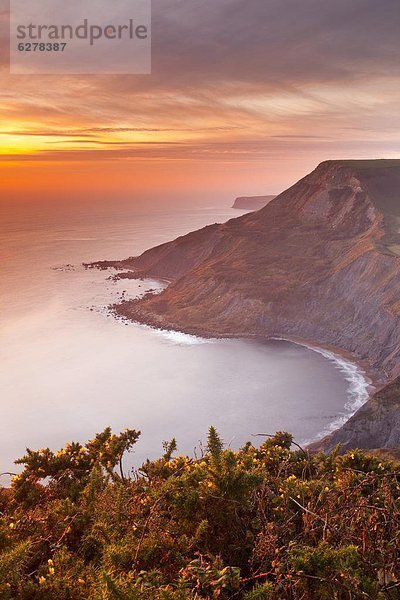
(263, 523)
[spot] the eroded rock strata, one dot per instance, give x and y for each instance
(320, 262)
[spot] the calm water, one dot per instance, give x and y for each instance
(68, 369)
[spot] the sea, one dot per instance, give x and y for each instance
(69, 368)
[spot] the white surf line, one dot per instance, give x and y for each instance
(359, 383)
(180, 338)
(358, 389)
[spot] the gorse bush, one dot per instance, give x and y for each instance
(254, 524)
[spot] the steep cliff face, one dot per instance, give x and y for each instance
(252, 202)
(319, 262)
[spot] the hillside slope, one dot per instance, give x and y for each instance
(319, 262)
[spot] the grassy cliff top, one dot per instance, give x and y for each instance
(364, 165)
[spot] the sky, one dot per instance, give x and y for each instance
(245, 97)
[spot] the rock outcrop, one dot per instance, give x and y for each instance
(375, 425)
(320, 262)
(252, 202)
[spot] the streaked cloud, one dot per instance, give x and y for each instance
(246, 82)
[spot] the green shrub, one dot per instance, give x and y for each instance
(259, 523)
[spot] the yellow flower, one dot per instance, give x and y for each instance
(81, 581)
(42, 580)
(51, 570)
(326, 489)
(50, 562)
(209, 484)
(11, 525)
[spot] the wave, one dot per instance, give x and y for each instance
(359, 385)
(186, 339)
(176, 337)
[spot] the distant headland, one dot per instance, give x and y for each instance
(252, 202)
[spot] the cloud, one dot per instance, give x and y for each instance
(233, 80)
(92, 133)
(262, 152)
(270, 41)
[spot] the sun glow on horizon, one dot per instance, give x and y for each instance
(247, 116)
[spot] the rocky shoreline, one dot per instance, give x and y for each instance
(136, 316)
(343, 435)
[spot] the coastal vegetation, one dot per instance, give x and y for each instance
(264, 522)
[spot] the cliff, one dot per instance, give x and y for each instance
(320, 262)
(252, 202)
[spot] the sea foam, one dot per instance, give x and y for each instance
(180, 338)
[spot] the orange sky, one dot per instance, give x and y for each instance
(245, 97)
